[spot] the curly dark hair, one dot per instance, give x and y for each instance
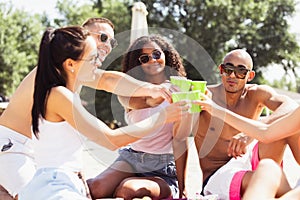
(131, 57)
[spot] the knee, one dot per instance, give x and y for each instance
(127, 191)
(269, 166)
(97, 189)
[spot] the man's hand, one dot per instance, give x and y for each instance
(237, 145)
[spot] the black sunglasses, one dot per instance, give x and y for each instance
(144, 58)
(240, 71)
(104, 38)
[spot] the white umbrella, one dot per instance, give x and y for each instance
(139, 26)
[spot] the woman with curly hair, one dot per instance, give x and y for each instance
(146, 168)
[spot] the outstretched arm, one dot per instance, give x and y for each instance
(181, 131)
(76, 115)
(280, 128)
(122, 84)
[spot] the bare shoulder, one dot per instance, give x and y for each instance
(214, 88)
(255, 89)
(60, 94)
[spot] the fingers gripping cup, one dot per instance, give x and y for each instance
(183, 83)
(192, 95)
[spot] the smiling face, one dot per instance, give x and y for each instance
(104, 47)
(154, 68)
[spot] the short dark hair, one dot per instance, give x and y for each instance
(93, 20)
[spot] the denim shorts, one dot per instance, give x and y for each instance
(54, 184)
(150, 165)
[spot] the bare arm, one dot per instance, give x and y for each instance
(279, 104)
(122, 84)
(94, 129)
(134, 103)
(181, 131)
(280, 128)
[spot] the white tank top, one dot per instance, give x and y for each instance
(59, 146)
(158, 142)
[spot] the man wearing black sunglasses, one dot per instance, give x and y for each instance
(226, 155)
(102, 30)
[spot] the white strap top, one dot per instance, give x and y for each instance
(59, 146)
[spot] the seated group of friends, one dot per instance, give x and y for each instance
(43, 128)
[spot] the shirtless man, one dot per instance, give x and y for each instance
(16, 156)
(219, 144)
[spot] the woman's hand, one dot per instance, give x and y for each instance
(205, 102)
(175, 111)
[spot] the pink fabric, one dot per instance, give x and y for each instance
(235, 185)
(255, 157)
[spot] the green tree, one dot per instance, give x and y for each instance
(261, 27)
(20, 35)
(72, 12)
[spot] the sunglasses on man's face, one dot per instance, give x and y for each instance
(240, 71)
(144, 58)
(102, 37)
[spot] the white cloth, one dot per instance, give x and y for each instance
(16, 157)
(58, 154)
(59, 145)
(220, 182)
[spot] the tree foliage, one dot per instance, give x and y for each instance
(261, 27)
(20, 34)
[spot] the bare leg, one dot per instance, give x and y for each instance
(267, 182)
(104, 185)
(4, 195)
(143, 187)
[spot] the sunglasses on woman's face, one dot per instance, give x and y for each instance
(144, 58)
(93, 60)
(102, 37)
(240, 71)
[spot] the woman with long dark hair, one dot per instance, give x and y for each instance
(68, 57)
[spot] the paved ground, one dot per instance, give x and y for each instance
(97, 159)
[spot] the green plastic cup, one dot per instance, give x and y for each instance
(199, 85)
(191, 95)
(183, 83)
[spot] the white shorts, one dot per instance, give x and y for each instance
(54, 184)
(16, 157)
(226, 181)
